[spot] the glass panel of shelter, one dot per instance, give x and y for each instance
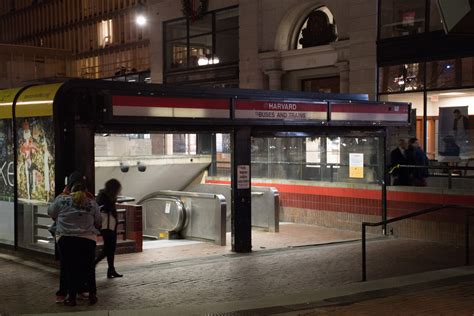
(6, 185)
(318, 158)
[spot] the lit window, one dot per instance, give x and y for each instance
(212, 40)
(401, 78)
(105, 33)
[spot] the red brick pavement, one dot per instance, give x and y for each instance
(451, 299)
(179, 277)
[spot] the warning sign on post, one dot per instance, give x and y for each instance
(356, 166)
(243, 177)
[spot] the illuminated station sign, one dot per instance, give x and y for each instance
(276, 110)
(251, 109)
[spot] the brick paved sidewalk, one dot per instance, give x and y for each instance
(451, 296)
(225, 282)
(447, 297)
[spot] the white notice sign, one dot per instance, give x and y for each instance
(243, 177)
(356, 166)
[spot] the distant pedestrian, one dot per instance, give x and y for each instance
(417, 157)
(77, 218)
(106, 199)
(398, 156)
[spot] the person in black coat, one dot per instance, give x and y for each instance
(416, 156)
(106, 200)
(398, 156)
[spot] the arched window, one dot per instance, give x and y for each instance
(319, 28)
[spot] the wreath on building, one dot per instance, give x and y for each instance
(192, 12)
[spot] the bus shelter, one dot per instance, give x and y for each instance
(47, 131)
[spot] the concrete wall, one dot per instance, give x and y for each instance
(22, 64)
(168, 174)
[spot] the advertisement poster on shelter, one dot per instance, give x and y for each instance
(35, 159)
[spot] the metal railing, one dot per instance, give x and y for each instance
(417, 213)
(447, 171)
(37, 227)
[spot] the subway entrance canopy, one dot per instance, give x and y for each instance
(63, 118)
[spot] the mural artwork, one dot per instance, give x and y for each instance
(35, 159)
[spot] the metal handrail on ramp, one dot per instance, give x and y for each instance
(417, 213)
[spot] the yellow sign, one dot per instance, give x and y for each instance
(6, 101)
(356, 166)
(37, 101)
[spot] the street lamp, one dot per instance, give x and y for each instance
(141, 14)
(141, 20)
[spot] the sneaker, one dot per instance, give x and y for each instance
(60, 298)
(83, 296)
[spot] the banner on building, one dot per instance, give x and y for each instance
(455, 137)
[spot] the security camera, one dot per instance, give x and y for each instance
(123, 167)
(141, 166)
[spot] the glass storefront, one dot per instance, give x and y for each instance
(441, 118)
(444, 80)
(440, 89)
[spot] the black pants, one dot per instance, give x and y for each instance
(110, 244)
(77, 261)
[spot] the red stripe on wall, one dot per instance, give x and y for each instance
(428, 199)
(195, 103)
(307, 189)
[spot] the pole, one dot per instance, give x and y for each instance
(467, 239)
(364, 267)
(385, 178)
